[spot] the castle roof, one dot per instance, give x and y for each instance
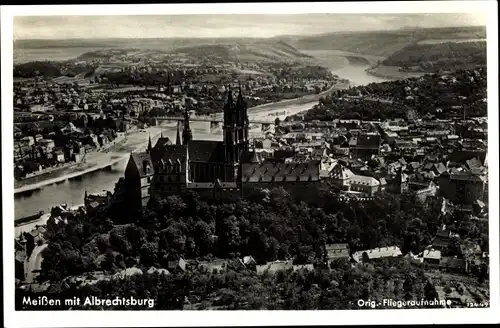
(340, 172)
(364, 180)
(280, 172)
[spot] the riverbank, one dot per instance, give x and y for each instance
(392, 73)
(52, 172)
(95, 162)
(93, 167)
(301, 100)
(101, 161)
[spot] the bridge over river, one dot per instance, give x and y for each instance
(214, 119)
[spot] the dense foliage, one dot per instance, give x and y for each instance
(269, 226)
(339, 288)
(440, 56)
(49, 69)
(385, 43)
(37, 68)
(291, 73)
(430, 94)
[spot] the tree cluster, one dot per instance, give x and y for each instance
(337, 289)
(268, 226)
(49, 69)
(440, 56)
(430, 94)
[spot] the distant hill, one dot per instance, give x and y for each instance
(241, 49)
(444, 56)
(268, 51)
(381, 43)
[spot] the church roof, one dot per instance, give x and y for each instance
(162, 142)
(206, 151)
(171, 152)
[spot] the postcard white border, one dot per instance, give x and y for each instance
(233, 318)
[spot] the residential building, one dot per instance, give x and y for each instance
(377, 253)
(462, 187)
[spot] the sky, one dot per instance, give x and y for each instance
(186, 26)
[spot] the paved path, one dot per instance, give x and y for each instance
(34, 263)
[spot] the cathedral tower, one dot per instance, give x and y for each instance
(187, 135)
(235, 127)
(150, 145)
(178, 140)
(243, 121)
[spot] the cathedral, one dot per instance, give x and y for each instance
(169, 168)
(219, 169)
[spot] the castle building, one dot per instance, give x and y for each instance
(345, 180)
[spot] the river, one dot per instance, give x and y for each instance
(72, 191)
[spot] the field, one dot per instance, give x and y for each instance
(250, 72)
(77, 79)
(57, 53)
(127, 88)
(434, 41)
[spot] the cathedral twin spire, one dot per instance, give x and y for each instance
(150, 145)
(235, 127)
(178, 140)
(187, 135)
(235, 113)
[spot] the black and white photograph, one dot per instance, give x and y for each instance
(208, 159)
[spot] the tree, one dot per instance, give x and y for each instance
(149, 254)
(119, 243)
(203, 237)
(229, 235)
(175, 239)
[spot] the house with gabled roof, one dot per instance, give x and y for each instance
(336, 252)
(176, 266)
(249, 262)
(376, 253)
(273, 267)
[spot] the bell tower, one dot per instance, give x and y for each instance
(229, 129)
(187, 135)
(236, 126)
(243, 122)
